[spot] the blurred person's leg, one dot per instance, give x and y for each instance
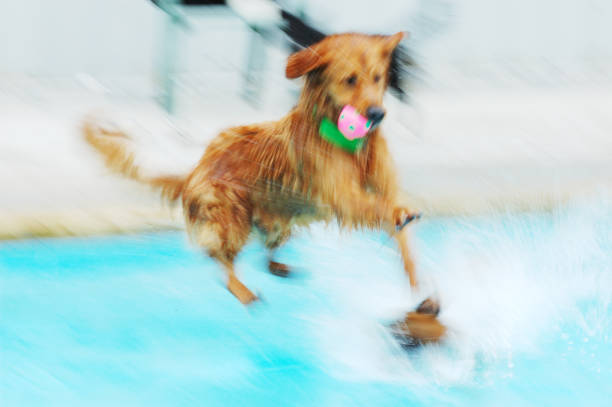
(254, 73)
(165, 76)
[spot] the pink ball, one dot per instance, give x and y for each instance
(352, 124)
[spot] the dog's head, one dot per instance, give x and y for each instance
(348, 69)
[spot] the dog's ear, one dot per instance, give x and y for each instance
(391, 42)
(304, 61)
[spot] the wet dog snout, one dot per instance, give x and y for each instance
(375, 114)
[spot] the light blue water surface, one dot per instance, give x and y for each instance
(145, 319)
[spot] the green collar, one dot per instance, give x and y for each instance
(330, 133)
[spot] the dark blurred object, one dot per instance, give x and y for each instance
(401, 63)
(195, 2)
(203, 2)
(299, 32)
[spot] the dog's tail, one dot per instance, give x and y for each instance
(113, 146)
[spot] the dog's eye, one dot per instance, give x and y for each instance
(351, 80)
(376, 78)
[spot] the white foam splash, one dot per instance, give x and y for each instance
(504, 284)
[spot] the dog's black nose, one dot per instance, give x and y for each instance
(375, 114)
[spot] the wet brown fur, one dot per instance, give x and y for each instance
(276, 175)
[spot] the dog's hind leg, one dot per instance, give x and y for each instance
(275, 231)
(276, 268)
(236, 287)
(223, 234)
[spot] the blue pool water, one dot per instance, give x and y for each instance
(144, 319)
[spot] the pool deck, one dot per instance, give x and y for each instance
(457, 152)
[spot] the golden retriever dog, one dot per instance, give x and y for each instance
(273, 176)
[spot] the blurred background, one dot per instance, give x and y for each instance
(506, 103)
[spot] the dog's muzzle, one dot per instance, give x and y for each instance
(375, 114)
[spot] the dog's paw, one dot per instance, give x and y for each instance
(240, 291)
(402, 216)
(429, 306)
(278, 269)
(420, 327)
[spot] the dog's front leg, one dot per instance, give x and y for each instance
(402, 216)
(376, 210)
(355, 207)
(402, 242)
(383, 181)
